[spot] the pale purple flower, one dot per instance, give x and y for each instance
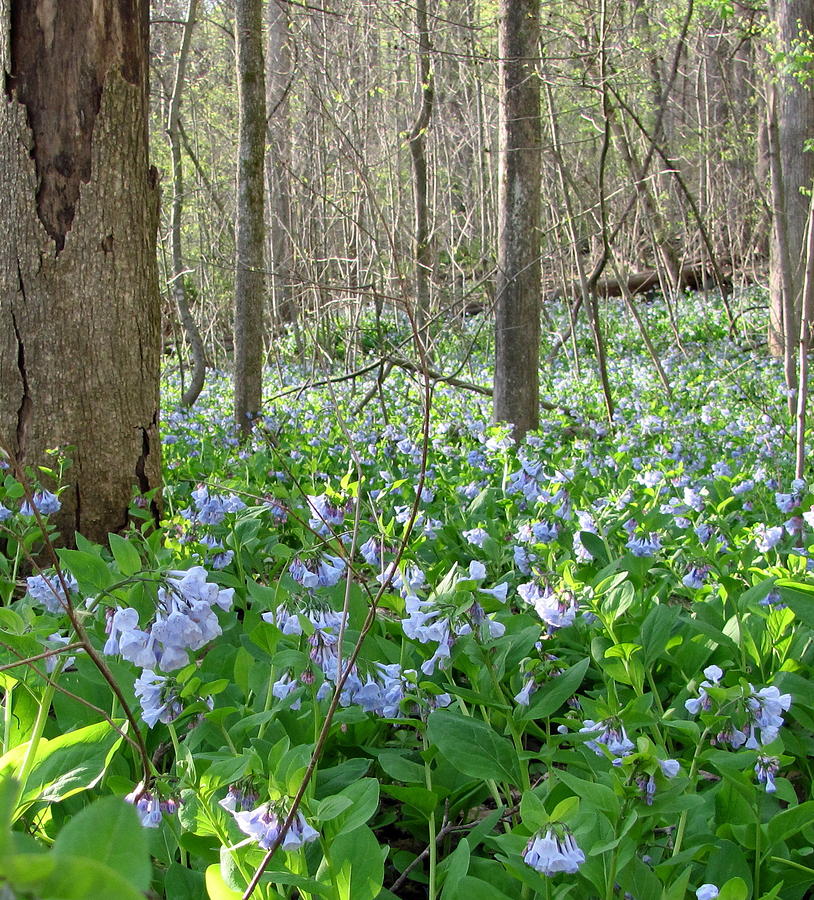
(766, 538)
(557, 611)
(611, 735)
(476, 536)
(707, 892)
(766, 768)
(47, 590)
(551, 853)
(44, 502)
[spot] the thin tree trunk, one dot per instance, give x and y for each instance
(191, 330)
(249, 226)
(279, 75)
(517, 283)
(805, 344)
(422, 255)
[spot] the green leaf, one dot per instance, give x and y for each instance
(357, 862)
(470, 888)
(364, 795)
(90, 571)
(63, 765)
(656, 630)
(789, 822)
(182, 883)
(618, 600)
(475, 748)
(799, 598)
(396, 766)
(67, 877)
(734, 889)
(126, 556)
(595, 546)
(216, 887)
(551, 696)
(109, 831)
(418, 797)
(456, 866)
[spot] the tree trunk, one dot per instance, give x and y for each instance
(791, 123)
(249, 226)
(79, 302)
(422, 254)
(279, 74)
(179, 293)
(517, 283)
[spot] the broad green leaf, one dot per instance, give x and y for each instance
(364, 796)
(798, 597)
(456, 866)
(418, 797)
(396, 766)
(126, 556)
(471, 888)
(656, 630)
(475, 748)
(63, 765)
(789, 822)
(357, 862)
(110, 832)
(67, 877)
(551, 695)
(90, 571)
(734, 889)
(216, 887)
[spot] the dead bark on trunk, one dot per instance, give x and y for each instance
(79, 302)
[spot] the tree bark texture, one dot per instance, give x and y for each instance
(791, 123)
(279, 74)
(179, 293)
(422, 252)
(79, 301)
(249, 226)
(517, 283)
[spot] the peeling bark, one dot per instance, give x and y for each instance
(79, 303)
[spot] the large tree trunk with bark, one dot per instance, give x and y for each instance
(79, 302)
(250, 278)
(517, 283)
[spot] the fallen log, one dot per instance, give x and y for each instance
(692, 276)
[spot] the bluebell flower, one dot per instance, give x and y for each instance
(552, 852)
(695, 704)
(767, 538)
(707, 892)
(766, 768)
(158, 697)
(611, 735)
(644, 545)
(44, 502)
(47, 590)
(694, 579)
(5, 513)
(556, 610)
(147, 804)
(476, 536)
(786, 502)
(325, 516)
